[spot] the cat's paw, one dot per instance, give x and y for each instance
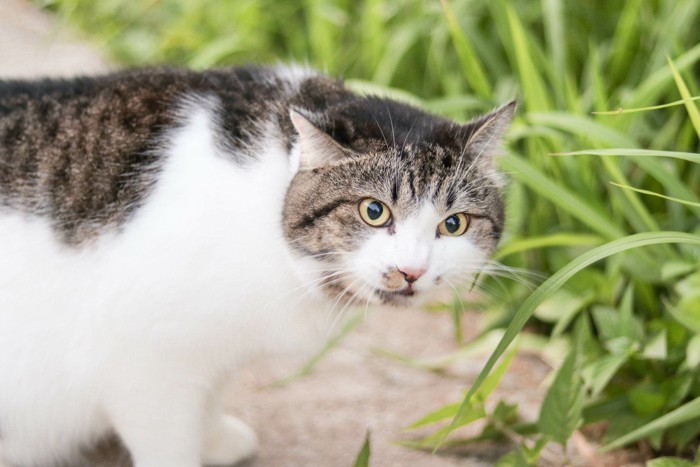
(228, 441)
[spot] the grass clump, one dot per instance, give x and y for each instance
(606, 204)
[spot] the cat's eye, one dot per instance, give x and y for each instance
(374, 212)
(455, 225)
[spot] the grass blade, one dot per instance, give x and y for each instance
(566, 200)
(584, 127)
(646, 160)
(653, 86)
(473, 71)
(626, 34)
(693, 111)
(686, 156)
(553, 16)
(534, 92)
(443, 413)
(652, 193)
(645, 109)
(546, 241)
(682, 414)
(362, 459)
(636, 213)
(331, 344)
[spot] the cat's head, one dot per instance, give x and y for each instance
(390, 204)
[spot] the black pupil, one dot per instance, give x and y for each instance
(374, 210)
(452, 224)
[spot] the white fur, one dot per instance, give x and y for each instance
(135, 332)
(414, 246)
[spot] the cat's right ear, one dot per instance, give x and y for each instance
(317, 148)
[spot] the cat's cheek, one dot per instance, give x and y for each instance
(459, 259)
(362, 265)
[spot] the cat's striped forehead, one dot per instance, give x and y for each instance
(408, 176)
(406, 156)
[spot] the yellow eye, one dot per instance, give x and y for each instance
(455, 225)
(374, 212)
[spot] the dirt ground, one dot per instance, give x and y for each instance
(321, 419)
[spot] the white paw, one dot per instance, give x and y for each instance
(228, 441)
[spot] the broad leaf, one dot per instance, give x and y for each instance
(682, 414)
(560, 414)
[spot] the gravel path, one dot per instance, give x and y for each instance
(319, 420)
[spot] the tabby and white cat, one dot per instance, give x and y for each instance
(158, 227)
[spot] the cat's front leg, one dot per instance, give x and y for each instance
(160, 424)
(227, 440)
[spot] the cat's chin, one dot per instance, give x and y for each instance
(403, 298)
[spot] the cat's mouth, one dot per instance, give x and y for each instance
(396, 297)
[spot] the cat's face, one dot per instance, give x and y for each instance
(395, 224)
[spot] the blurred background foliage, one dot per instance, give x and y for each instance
(632, 319)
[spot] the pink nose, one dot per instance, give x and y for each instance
(412, 274)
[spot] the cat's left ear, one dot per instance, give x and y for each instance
(485, 134)
(317, 148)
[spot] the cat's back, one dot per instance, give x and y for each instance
(85, 152)
(132, 200)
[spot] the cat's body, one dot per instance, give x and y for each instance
(159, 227)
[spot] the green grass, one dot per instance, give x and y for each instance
(609, 87)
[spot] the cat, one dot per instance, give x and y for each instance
(160, 226)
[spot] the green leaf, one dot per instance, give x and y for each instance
(532, 454)
(479, 346)
(534, 92)
(473, 71)
(673, 184)
(560, 414)
(547, 241)
(674, 269)
(683, 435)
(646, 109)
(693, 111)
(599, 373)
(443, 413)
(655, 348)
(559, 305)
(398, 47)
(362, 459)
(637, 213)
(369, 88)
(491, 382)
(626, 34)
(692, 352)
(655, 84)
(555, 25)
(567, 200)
(659, 195)
(646, 401)
(670, 462)
(332, 343)
(687, 310)
(478, 411)
(584, 127)
(473, 413)
(514, 458)
(682, 414)
(612, 324)
(554, 283)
